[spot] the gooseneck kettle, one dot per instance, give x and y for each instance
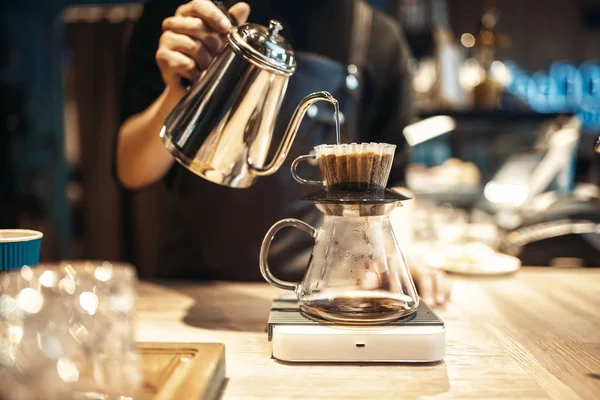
(221, 130)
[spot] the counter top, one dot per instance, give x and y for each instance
(531, 335)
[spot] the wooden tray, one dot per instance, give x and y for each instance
(182, 371)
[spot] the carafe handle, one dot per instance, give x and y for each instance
(266, 245)
(290, 134)
(298, 178)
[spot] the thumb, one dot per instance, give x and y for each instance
(240, 12)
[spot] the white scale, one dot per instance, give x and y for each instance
(418, 338)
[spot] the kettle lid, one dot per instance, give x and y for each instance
(265, 46)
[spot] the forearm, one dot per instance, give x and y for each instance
(141, 157)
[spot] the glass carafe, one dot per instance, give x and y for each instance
(356, 273)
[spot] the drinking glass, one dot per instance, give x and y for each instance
(68, 331)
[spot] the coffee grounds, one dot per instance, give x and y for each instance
(356, 171)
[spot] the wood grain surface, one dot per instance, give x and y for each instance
(531, 335)
(182, 371)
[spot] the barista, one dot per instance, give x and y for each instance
(215, 232)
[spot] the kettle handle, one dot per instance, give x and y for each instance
(186, 83)
(266, 245)
(223, 8)
(290, 133)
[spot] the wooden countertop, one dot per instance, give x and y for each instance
(532, 335)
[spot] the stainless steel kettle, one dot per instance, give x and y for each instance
(222, 128)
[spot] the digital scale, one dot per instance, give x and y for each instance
(418, 338)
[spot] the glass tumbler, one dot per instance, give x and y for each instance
(68, 331)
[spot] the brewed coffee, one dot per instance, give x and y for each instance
(356, 171)
(359, 307)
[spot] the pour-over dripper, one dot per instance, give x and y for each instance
(356, 167)
(351, 167)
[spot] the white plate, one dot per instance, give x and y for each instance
(498, 265)
(485, 263)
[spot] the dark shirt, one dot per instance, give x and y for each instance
(321, 27)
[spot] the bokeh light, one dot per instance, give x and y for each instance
(565, 87)
(88, 302)
(500, 73)
(467, 40)
(30, 301)
(67, 370)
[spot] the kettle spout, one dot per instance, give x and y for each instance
(290, 132)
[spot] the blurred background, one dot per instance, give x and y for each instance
(508, 101)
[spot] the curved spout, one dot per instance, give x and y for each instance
(290, 132)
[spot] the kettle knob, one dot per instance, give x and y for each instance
(274, 28)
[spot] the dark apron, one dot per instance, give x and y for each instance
(215, 232)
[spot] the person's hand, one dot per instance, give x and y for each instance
(192, 37)
(433, 285)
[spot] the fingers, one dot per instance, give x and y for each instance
(447, 288)
(194, 49)
(197, 29)
(434, 287)
(186, 25)
(440, 287)
(207, 12)
(193, 37)
(240, 12)
(426, 286)
(177, 63)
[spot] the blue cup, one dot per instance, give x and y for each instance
(19, 247)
